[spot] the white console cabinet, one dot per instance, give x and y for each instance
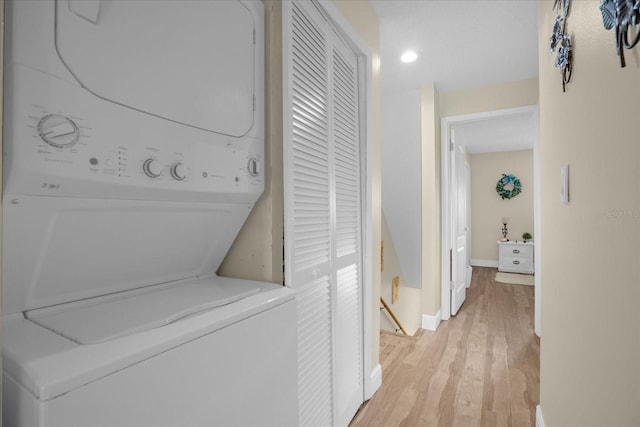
(515, 257)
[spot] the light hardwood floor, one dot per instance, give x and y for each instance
(480, 368)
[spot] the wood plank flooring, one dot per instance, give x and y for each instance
(480, 368)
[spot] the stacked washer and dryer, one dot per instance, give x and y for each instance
(133, 153)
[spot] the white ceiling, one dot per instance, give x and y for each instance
(463, 44)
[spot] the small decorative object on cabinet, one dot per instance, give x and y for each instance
(505, 221)
(526, 236)
(515, 257)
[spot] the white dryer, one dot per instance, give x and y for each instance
(133, 153)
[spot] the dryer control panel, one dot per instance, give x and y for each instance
(62, 134)
(121, 153)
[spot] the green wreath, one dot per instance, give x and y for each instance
(508, 186)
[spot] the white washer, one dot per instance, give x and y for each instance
(134, 144)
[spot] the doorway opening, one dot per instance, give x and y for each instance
(455, 207)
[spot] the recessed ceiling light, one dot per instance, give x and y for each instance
(410, 56)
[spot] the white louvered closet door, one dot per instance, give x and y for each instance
(347, 247)
(323, 214)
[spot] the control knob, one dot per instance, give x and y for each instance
(178, 171)
(254, 166)
(58, 131)
(152, 168)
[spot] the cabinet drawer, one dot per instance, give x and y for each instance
(516, 251)
(516, 262)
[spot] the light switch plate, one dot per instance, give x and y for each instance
(564, 184)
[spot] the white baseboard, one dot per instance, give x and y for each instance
(539, 420)
(484, 263)
(431, 323)
(375, 381)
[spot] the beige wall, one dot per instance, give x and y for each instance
(431, 282)
(488, 209)
(590, 375)
(407, 308)
(488, 98)
(257, 251)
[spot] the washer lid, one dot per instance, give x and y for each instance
(105, 318)
(187, 61)
(48, 365)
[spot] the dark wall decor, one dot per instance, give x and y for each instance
(508, 186)
(561, 41)
(623, 15)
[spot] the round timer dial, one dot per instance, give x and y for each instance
(58, 131)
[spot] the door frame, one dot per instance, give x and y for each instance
(446, 123)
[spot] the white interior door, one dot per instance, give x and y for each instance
(307, 208)
(345, 138)
(323, 214)
(459, 232)
(467, 219)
